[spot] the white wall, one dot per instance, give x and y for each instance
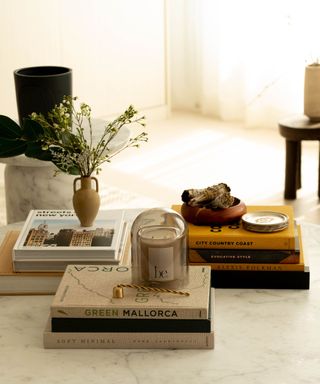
(185, 54)
(116, 49)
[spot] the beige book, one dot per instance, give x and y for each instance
(23, 283)
(87, 292)
(127, 340)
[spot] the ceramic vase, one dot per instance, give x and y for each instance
(312, 92)
(86, 199)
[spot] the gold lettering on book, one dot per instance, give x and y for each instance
(149, 313)
(224, 243)
(101, 312)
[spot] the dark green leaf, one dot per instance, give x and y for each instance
(34, 150)
(9, 129)
(73, 170)
(32, 130)
(67, 137)
(10, 148)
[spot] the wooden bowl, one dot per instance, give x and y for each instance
(206, 216)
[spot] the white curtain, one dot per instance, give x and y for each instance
(242, 60)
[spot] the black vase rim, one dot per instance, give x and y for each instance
(42, 71)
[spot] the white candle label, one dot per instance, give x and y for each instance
(161, 265)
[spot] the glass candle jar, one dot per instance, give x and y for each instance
(159, 248)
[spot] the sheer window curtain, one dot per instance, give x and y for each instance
(244, 60)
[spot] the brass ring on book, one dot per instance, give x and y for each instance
(119, 294)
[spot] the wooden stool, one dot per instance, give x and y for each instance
(294, 130)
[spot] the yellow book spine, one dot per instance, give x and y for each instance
(234, 236)
(261, 267)
(236, 242)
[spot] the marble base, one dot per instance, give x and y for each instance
(31, 184)
(30, 187)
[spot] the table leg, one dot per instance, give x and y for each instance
(292, 168)
(298, 177)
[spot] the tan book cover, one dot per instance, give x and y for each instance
(87, 292)
(23, 283)
(127, 340)
(234, 236)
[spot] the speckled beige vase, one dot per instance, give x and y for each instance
(86, 200)
(312, 92)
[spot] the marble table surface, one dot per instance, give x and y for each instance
(262, 336)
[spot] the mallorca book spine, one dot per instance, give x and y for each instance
(243, 256)
(132, 340)
(108, 312)
(253, 267)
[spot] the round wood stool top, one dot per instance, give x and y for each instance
(299, 128)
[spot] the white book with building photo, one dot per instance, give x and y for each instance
(52, 237)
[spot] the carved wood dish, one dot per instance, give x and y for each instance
(207, 216)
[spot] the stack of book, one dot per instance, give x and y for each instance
(23, 283)
(245, 259)
(52, 239)
(84, 313)
(34, 264)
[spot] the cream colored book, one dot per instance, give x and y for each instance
(87, 292)
(23, 283)
(127, 340)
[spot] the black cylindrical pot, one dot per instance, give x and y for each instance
(39, 89)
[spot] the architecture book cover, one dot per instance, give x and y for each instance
(57, 235)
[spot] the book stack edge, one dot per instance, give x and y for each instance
(240, 258)
(37, 276)
(84, 314)
(23, 283)
(52, 239)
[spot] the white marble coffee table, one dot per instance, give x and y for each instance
(262, 336)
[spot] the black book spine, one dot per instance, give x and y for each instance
(261, 279)
(129, 325)
(253, 256)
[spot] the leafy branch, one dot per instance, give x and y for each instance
(61, 137)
